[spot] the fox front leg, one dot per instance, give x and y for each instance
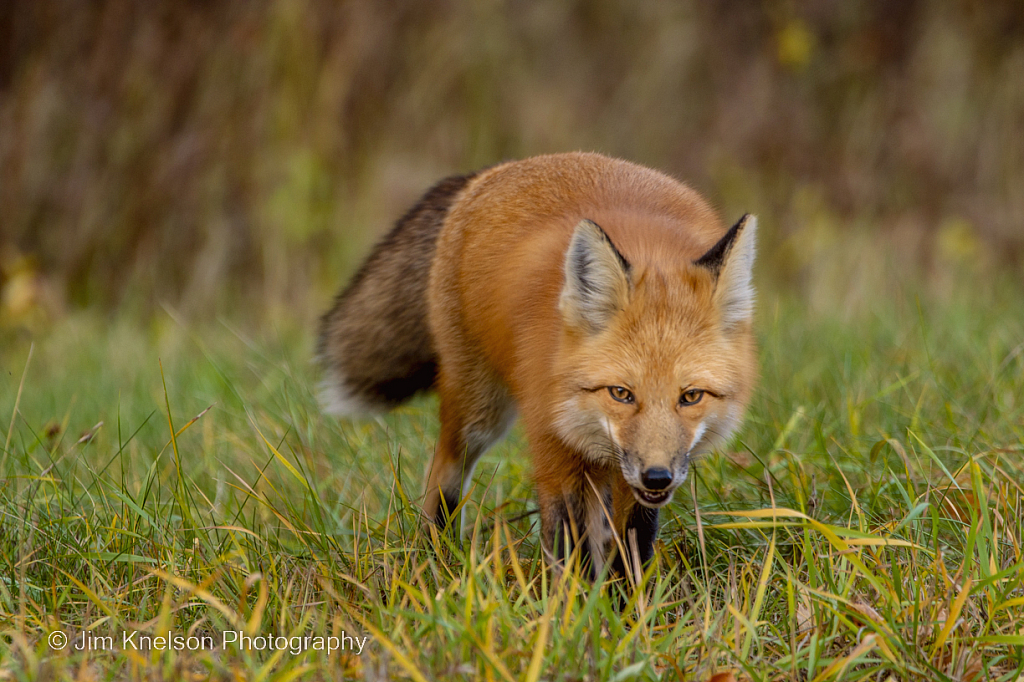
(576, 524)
(471, 421)
(637, 526)
(563, 532)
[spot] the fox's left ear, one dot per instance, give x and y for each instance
(731, 261)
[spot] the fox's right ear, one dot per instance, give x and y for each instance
(597, 279)
(731, 261)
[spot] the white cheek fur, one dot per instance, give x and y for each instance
(583, 430)
(610, 429)
(698, 433)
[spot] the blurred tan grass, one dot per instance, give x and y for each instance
(237, 157)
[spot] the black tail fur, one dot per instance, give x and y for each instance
(375, 346)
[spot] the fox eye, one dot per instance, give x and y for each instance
(691, 397)
(623, 395)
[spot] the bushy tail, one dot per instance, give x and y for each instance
(375, 346)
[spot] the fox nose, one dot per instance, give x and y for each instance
(656, 478)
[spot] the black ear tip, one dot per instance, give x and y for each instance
(716, 255)
(597, 230)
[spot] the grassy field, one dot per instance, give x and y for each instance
(866, 524)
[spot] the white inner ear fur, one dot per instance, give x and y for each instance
(734, 292)
(596, 284)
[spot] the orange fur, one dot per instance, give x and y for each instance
(558, 283)
(501, 338)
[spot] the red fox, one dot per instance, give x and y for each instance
(603, 302)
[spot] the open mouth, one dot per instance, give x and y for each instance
(652, 497)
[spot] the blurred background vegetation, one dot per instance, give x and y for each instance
(236, 158)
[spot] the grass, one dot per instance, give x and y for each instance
(866, 524)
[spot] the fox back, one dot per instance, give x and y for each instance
(603, 302)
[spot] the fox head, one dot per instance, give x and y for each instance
(657, 364)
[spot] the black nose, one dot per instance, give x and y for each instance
(657, 478)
